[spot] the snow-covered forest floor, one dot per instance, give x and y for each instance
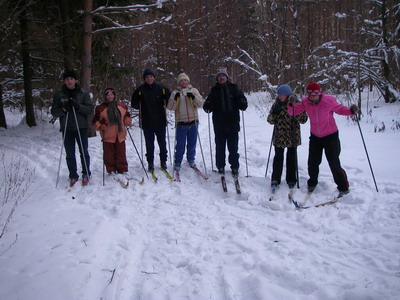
(190, 240)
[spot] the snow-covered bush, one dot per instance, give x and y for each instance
(16, 179)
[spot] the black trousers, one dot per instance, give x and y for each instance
(331, 145)
(159, 133)
(290, 165)
(230, 138)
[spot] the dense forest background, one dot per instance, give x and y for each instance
(346, 46)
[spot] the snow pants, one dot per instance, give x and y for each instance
(331, 145)
(115, 157)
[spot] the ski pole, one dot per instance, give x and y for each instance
(245, 150)
(141, 128)
(198, 136)
(269, 152)
(80, 139)
(366, 152)
(209, 138)
(62, 148)
(103, 170)
(296, 166)
(137, 152)
(176, 131)
(169, 145)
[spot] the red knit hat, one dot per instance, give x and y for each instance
(313, 89)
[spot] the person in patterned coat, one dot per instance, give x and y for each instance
(286, 135)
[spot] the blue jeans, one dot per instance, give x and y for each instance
(230, 138)
(69, 143)
(185, 134)
(149, 134)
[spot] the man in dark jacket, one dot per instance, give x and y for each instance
(73, 106)
(225, 100)
(151, 99)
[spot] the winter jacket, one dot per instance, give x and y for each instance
(111, 134)
(322, 122)
(151, 100)
(224, 101)
(187, 110)
(82, 114)
(287, 128)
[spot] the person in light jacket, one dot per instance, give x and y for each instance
(320, 108)
(185, 101)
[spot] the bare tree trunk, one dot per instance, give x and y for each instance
(26, 66)
(86, 71)
(67, 35)
(3, 122)
(385, 64)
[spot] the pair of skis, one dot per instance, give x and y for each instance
(125, 183)
(177, 175)
(155, 178)
(198, 172)
(303, 205)
(236, 181)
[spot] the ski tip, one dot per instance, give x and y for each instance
(141, 181)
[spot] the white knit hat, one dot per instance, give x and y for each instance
(222, 71)
(182, 76)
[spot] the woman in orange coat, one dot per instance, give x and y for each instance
(110, 119)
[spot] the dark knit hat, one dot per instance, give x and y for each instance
(70, 73)
(313, 89)
(284, 89)
(148, 72)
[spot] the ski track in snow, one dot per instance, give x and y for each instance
(190, 240)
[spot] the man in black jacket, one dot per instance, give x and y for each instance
(225, 100)
(73, 106)
(151, 99)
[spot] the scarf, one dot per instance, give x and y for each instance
(225, 99)
(114, 115)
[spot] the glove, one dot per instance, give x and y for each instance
(292, 99)
(177, 95)
(277, 108)
(354, 109)
(127, 121)
(73, 103)
(190, 95)
(64, 102)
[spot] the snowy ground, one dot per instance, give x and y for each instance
(190, 240)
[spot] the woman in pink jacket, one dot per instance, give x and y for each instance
(324, 134)
(110, 119)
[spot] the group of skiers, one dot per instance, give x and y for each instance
(73, 106)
